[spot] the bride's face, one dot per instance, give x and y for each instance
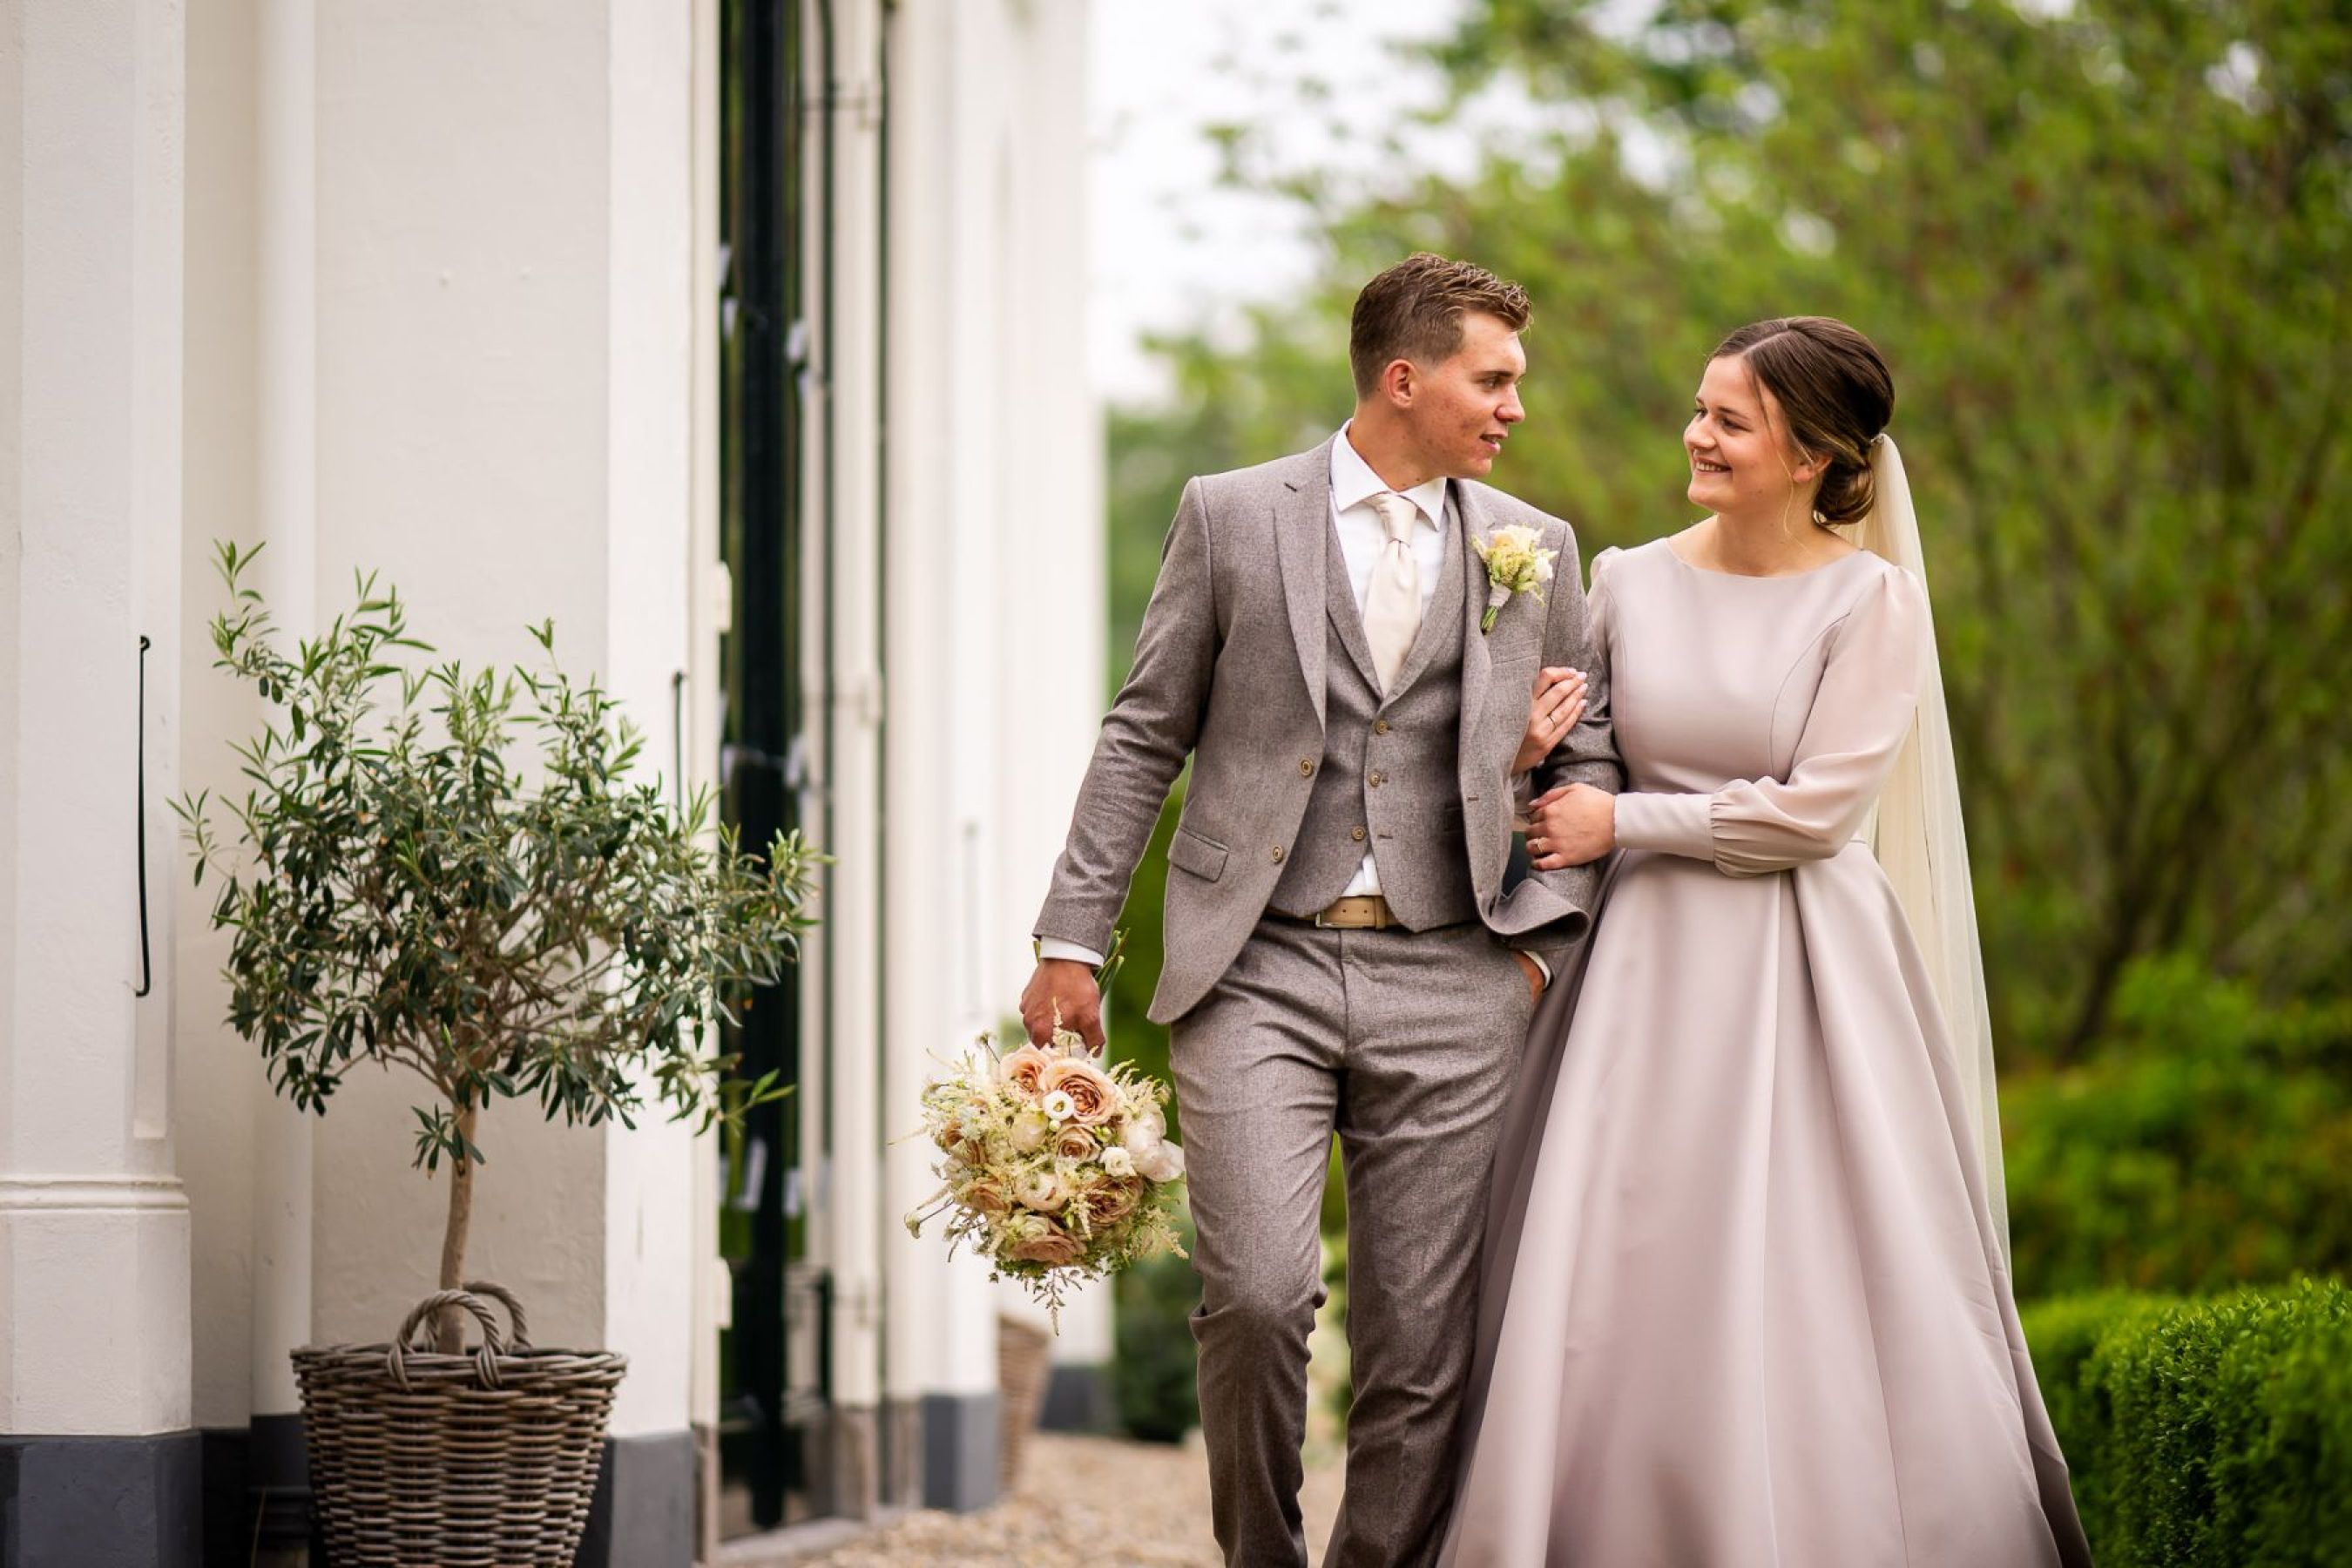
(1740, 459)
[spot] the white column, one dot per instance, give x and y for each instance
(93, 1225)
(286, 405)
(1050, 549)
(652, 1209)
(949, 363)
(846, 408)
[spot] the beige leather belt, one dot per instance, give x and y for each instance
(1370, 912)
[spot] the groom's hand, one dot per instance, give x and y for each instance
(1534, 971)
(1063, 988)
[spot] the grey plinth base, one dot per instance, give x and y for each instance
(102, 1502)
(1078, 1399)
(257, 1488)
(642, 1513)
(962, 1442)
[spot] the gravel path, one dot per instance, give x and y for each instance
(1085, 1502)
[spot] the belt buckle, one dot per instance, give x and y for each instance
(1322, 925)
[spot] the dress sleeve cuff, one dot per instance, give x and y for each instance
(1054, 947)
(1672, 823)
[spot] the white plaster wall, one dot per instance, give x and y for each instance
(463, 409)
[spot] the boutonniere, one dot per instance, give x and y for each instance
(1514, 564)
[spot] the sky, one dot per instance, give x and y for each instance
(1169, 248)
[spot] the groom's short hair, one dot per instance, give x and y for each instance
(1413, 310)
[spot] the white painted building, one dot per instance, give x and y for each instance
(744, 339)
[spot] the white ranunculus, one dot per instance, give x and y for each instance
(1119, 1162)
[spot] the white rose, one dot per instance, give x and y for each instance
(1145, 1131)
(1041, 1189)
(1030, 1131)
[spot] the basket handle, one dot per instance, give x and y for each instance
(518, 1331)
(405, 1344)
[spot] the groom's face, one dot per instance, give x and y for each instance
(1462, 409)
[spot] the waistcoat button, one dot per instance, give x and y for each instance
(1306, 768)
(1277, 854)
(1357, 834)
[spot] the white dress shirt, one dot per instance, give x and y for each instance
(1362, 538)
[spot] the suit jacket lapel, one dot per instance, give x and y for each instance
(1302, 543)
(1476, 665)
(1339, 603)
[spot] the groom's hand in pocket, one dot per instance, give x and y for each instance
(1063, 988)
(1534, 972)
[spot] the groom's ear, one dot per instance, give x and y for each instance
(1399, 381)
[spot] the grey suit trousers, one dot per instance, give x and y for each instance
(1406, 1045)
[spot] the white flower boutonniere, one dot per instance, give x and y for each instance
(1514, 564)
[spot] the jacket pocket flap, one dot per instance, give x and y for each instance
(1205, 858)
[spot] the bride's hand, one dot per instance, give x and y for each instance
(1572, 825)
(1559, 704)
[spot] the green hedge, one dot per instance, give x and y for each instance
(2213, 1434)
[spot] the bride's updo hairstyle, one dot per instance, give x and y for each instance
(1835, 393)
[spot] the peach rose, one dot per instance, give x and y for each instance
(1094, 1099)
(985, 1195)
(1108, 1203)
(1052, 1246)
(1076, 1143)
(1023, 1068)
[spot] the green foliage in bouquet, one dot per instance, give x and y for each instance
(409, 890)
(2208, 1143)
(2206, 1434)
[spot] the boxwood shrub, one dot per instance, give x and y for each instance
(2206, 1434)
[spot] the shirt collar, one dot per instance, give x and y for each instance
(1353, 482)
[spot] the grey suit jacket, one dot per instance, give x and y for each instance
(1229, 670)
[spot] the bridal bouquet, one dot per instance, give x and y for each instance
(1053, 1165)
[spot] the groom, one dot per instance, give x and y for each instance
(1342, 952)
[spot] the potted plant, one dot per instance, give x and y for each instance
(453, 874)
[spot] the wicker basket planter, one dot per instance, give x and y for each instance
(484, 1460)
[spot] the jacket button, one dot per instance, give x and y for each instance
(1277, 854)
(1357, 834)
(1376, 780)
(1380, 726)
(1306, 768)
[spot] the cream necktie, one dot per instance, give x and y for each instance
(1392, 604)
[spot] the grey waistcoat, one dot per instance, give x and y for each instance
(1390, 772)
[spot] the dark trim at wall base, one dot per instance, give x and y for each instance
(962, 1438)
(642, 1515)
(1079, 1399)
(102, 1502)
(257, 1493)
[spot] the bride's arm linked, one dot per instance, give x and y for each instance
(1859, 716)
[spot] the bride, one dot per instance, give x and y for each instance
(1748, 1297)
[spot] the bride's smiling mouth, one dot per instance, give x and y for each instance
(1701, 465)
